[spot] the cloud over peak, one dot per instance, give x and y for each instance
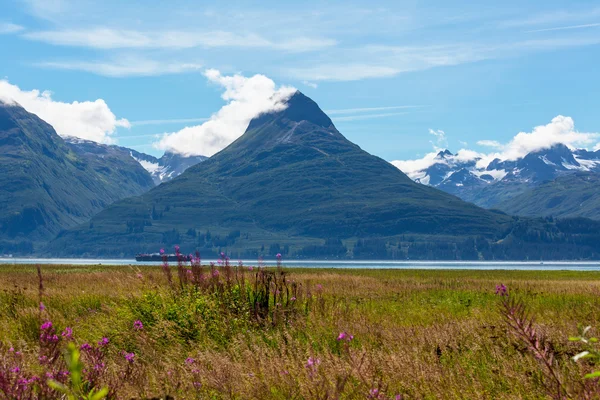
(91, 120)
(561, 130)
(246, 99)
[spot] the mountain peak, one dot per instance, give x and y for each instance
(444, 153)
(299, 108)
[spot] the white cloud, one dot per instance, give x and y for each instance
(562, 28)
(91, 120)
(368, 109)
(412, 168)
(367, 116)
(246, 99)
(310, 84)
(561, 130)
(440, 141)
(8, 28)
(490, 143)
(342, 72)
(108, 38)
(125, 66)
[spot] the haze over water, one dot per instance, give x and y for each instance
(367, 264)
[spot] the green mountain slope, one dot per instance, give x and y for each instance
(45, 186)
(293, 180)
(573, 195)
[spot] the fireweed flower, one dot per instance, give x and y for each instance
(85, 347)
(501, 290)
(278, 255)
(293, 299)
(189, 360)
(177, 249)
(137, 325)
(42, 306)
(312, 362)
(67, 333)
(162, 251)
(16, 370)
(46, 326)
(103, 342)
(215, 273)
(129, 357)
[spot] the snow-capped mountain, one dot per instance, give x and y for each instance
(167, 167)
(162, 169)
(499, 180)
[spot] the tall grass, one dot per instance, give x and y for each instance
(234, 331)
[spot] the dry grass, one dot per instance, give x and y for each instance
(420, 334)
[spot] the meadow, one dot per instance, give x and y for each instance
(239, 332)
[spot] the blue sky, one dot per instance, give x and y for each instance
(396, 69)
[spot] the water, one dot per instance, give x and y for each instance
(472, 265)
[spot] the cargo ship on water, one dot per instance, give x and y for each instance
(157, 257)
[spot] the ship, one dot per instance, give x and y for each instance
(157, 257)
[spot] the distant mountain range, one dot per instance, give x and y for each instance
(48, 183)
(535, 185)
(162, 169)
(294, 184)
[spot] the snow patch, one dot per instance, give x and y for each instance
(151, 167)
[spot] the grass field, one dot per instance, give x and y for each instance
(385, 334)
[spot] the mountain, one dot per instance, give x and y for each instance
(167, 167)
(295, 184)
(501, 181)
(162, 169)
(572, 195)
(46, 186)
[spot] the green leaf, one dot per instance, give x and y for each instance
(57, 386)
(594, 374)
(101, 394)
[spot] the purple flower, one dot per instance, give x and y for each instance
(219, 262)
(46, 326)
(42, 306)
(42, 359)
(345, 336)
(312, 362)
(16, 370)
(162, 251)
(176, 248)
(103, 342)
(137, 325)
(12, 349)
(85, 347)
(222, 254)
(215, 273)
(501, 290)
(278, 255)
(189, 360)
(99, 367)
(129, 357)
(139, 275)
(319, 287)
(293, 299)
(68, 333)
(250, 268)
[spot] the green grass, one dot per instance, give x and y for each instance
(419, 333)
